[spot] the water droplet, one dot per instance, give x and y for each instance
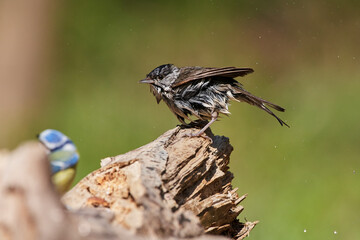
(335, 232)
(304, 230)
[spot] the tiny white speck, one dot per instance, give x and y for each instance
(259, 37)
(304, 230)
(335, 232)
(275, 146)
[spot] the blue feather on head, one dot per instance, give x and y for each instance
(62, 151)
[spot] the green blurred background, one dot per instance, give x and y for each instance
(303, 182)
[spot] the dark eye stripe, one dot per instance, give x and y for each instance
(57, 148)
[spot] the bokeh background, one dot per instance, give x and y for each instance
(75, 67)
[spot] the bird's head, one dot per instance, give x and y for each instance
(54, 140)
(161, 79)
(62, 151)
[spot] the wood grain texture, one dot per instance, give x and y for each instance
(175, 187)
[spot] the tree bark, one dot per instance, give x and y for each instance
(26, 42)
(175, 187)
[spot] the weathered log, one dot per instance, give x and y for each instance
(175, 187)
(31, 208)
(160, 188)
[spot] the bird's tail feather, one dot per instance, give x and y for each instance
(244, 96)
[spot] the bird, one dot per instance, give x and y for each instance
(63, 156)
(203, 92)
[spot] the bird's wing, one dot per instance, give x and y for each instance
(188, 74)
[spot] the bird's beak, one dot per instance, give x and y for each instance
(146, 80)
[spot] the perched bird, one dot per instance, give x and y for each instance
(63, 158)
(202, 92)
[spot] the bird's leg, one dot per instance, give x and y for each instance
(214, 116)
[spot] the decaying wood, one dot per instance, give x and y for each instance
(29, 206)
(175, 187)
(160, 188)
(31, 209)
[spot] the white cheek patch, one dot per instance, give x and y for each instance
(69, 147)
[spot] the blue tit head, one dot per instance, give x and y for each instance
(62, 151)
(53, 139)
